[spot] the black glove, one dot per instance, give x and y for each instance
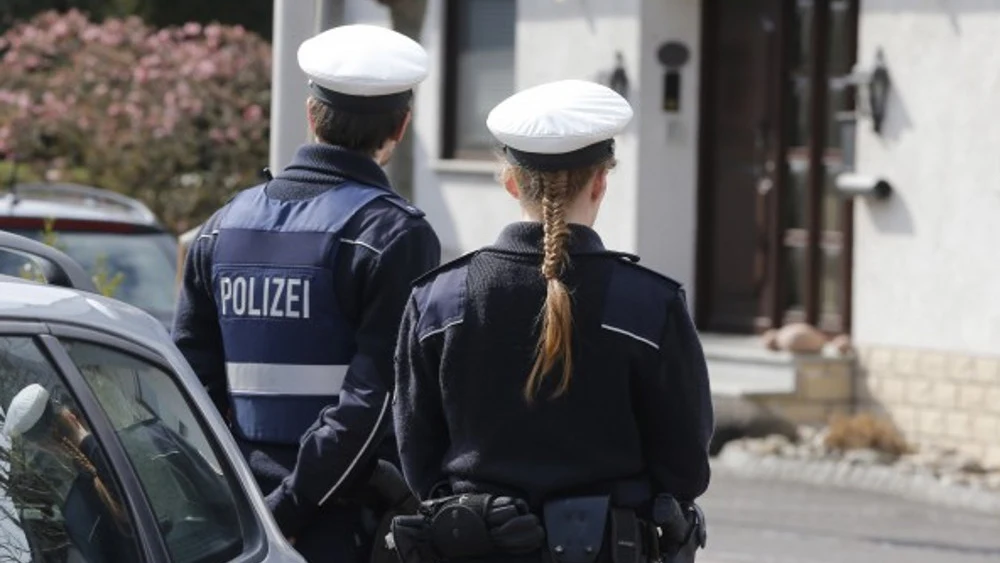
(467, 526)
(513, 527)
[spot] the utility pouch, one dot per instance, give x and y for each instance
(575, 527)
(458, 529)
(465, 527)
(681, 545)
(407, 537)
(626, 536)
(397, 500)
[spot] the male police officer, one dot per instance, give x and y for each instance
(293, 292)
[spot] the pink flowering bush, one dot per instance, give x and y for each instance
(176, 117)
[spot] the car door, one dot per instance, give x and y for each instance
(143, 477)
(171, 495)
(63, 498)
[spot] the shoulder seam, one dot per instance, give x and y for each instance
(428, 275)
(676, 285)
(402, 203)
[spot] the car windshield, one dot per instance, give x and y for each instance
(137, 268)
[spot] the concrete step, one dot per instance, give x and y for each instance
(740, 366)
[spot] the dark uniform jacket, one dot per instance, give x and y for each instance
(383, 248)
(638, 407)
(90, 523)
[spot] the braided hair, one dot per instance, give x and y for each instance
(107, 498)
(554, 192)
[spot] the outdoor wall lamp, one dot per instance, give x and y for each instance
(673, 55)
(618, 80)
(857, 185)
(873, 88)
(878, 91)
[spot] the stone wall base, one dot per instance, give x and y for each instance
(936, 399)
(941, 400)
(823, 387)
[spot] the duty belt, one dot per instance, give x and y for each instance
(483, 526)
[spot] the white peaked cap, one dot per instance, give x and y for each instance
(363, 61)
(26, 409)
(575, 118)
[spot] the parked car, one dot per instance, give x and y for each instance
(183, 491)
(99, 229)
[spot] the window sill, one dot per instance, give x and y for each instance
(459, 166)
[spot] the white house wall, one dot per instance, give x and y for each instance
(927, 261)
(668, 159)
(579, 39)
(650, 207)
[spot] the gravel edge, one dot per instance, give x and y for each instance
(877, 479)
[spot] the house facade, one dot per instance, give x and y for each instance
(746, 114)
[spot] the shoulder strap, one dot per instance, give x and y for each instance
(446, 266)
(402, 203)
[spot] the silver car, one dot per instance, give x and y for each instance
(99, 229)
(148, 470)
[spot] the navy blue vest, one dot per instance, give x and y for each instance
(287, 343)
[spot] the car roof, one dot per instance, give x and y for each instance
(31, 301)
(74, 201)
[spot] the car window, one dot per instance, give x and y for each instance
(58, 499)
(139, 269)
(170, 450)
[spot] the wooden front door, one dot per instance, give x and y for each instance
(774, 238)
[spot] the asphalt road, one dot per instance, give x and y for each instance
(768, 522)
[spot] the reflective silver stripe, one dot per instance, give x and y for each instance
(447, 325)
(285, 379)
(361, 244)
(630, 335)
(364, 449)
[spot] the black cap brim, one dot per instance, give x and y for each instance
(366, 105)
(580, 158)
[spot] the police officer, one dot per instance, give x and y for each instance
(293, 292)
(94, 518)
(550, 374)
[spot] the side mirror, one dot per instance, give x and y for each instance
(58, 268)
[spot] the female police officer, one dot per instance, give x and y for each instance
(95, 520)
(548, 372)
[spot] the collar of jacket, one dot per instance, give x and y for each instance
(319, 163)
(526, 237)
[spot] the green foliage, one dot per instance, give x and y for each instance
(49, 235)
(107, 283)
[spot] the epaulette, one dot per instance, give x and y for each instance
(460, 261)
(237, 193)
(624, 255)
(634, 264)
(406, 206)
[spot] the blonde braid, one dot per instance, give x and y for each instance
(555, 339)
(117, 513)
(556, 230)
(553, 192)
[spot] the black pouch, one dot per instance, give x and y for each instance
(465, 527)
(408, 539)
(575, 527)
(626, 536)
(458, 528)
(392, 498)
(695, 538)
